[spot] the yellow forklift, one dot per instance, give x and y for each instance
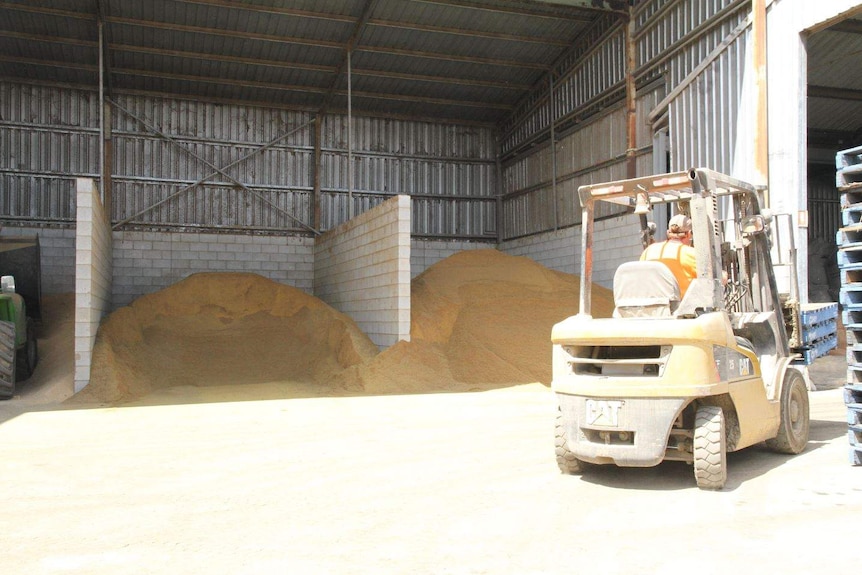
(683, 378)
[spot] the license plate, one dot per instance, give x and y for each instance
(604, 412)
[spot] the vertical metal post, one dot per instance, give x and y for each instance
(315, 195)
(349, 139)
(631, 101)
(761, 134)
(551, 103)
(500, 190)
(587, 229)
(101, 109)
(107, 161)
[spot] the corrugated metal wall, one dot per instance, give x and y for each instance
(448, 170)
(824, 204)
(593, 68)
(672, 37)
(702, 120)
(148, 169)
(594, 152)
(50, 135)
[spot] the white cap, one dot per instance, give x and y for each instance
(680, 223)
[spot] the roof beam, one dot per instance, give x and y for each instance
(427, 100)
(580, 14)
(440, 79)
(323, 43)
(117, 48)
(848, 26)
(314, 67)
(232, 4)
(467, 32)
(215, 80)
(170, 27)
(834, 93)
(50, 63)
(47, 11)
(453, 57)
(52, 39)
(299, 88)
(221, 58)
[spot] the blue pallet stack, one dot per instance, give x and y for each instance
(848, 179)
(819, 331)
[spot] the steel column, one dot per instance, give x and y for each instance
(631, 98)
(761, 134)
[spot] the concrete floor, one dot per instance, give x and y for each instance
(444, 483)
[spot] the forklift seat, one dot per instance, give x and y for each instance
(645, 289)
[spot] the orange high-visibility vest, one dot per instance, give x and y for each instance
(678, 257)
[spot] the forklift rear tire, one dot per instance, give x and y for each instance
(7, 359)
(566, 460)
(28, 356)
(794, 427)
(710, 448)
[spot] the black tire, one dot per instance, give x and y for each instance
(28, 356)
(7, 359)
(710, 448)
(795, 423)
(566, 460)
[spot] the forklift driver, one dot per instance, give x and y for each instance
(676, 252)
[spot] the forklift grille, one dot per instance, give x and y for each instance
(618, 360)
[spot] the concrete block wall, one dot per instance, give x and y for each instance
(57, 254)
(93, 262)
(616, 241)
(558, 250)
(362, 268)
(146, 262)
(426, 253)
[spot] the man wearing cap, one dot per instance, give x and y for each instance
(676, 252)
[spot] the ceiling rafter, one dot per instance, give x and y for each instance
(298, 88)
(323, 43)
(453, 57)
(47, 11)
(576, 14)
(451, 61)
(213, 80)
(89, 67)
(173, 27)
(277, 10)
(210, 57)
(849, 26)
(473, 33)
(205, 56)
(440, 79)
(29, 37)
(834, 93)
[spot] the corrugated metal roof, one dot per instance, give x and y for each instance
(468, 60)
